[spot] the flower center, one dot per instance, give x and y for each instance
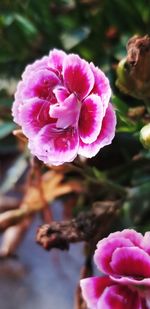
(66, 113)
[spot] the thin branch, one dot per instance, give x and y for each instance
(86, 271)
(115, 187)
(83, 228)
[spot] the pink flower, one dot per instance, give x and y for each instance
(124, 258)
(62, 105)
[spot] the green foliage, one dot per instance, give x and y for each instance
(6, 128)
(29, 29)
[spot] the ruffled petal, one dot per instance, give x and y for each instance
(90, 120)
(61, 94)
(78, 76)
(145, 243)
(55, 146)
(105, 137)
(104, 251)
(37, 65)
(34, 114)
(18, 102)
(135, 237)
(56, 59)
(67, 113)
(41, 85)
(101, 86)
(133, 262)
(138, 282)
(119, 297)
(92, 289)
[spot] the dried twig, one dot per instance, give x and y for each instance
(83, 228)
(89, 226)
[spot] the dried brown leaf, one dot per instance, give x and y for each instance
(37, 197)
(12, 237)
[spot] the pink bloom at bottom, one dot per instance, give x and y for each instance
(62, 105)
(124, 258)
(104, 293)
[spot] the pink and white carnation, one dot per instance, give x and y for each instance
(124, 258)
(62, 105)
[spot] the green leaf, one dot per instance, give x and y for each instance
(124, 123)
(26, 25)
(98, 174)
(14, 173)
(6, 19)
(6, 128)
(120, 105)
(5, 102)
(72, 38)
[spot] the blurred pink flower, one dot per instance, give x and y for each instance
(62, 105)
(124, 258)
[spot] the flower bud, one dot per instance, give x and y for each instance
(133, 72)
(145, 136)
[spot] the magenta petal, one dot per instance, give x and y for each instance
(119, 297)
(131, 262)
(61, 94)
(41, 84)
(105, 249)
(105, 137)
(34, 114)
(145, 243)
(101, 86)
(92, 289)
(56, 59)
(67, 113)
(91, 116)
(17, 103)
(55, 146)
(131, 281)
(37, 65)
(78, 76)
(130, 234)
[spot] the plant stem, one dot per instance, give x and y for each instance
(103, 181)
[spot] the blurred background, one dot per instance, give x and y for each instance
(98, 30)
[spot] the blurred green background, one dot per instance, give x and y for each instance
(97, 30)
